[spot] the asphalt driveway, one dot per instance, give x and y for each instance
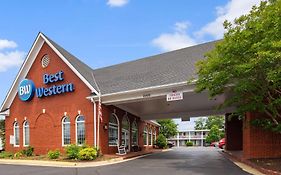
(179, 161)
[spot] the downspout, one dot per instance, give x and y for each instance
(95, 122)
(97, 131)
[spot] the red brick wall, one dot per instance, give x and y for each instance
(45, 129)
(259, 143)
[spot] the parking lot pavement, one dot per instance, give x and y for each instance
(179, 161)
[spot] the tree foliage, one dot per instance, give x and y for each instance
(247, 64)
(200, 123)
(214, 135)
(168, 127)
(2, 131)
(207, 123)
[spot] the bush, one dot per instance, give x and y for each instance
(72, 151)
(54, 154)
(87, 154)
(189, 143)
(28, 151)
(18, 154)
(161, 141)
(5, 154)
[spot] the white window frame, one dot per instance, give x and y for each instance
(24, 130)
(135, 130)
(76, 134)
(14, 127)
(126, 118)
(118, 131)
(62, 130)
(145, 131)
(151, 136)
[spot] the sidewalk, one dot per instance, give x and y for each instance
(112, 159)
(236, 157)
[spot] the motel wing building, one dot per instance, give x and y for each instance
(56, 100)
(49, 105)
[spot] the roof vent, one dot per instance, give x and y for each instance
(45, 61)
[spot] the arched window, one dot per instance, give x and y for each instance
(150, 136)
(66, 131)
(125, 131)
(80, 130)
(113, 138)
(145, 136)
(154, 135)
(16, 134)
(135, 133)
(26, 133)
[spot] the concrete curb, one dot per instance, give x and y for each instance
(62, 164)
(250, 164)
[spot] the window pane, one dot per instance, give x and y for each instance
(16, 134)
(66, 133)
(112, 135)
(26, 134)
(80, 133)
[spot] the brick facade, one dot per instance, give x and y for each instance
(259, 143)
(45, 114)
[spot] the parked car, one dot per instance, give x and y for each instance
(170, 144)
(214, 144)
(222, 143)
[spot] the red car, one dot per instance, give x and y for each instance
(222, 143)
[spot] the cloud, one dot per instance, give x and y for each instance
(230, 11)
(176, 40)
(4, 44)
(179, 38)
(11, 58)
(117, 3)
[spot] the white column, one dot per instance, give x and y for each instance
(178, 139)
(201, 138)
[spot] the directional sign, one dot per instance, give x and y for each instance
(174, 96)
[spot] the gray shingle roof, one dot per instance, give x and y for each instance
(167, 68)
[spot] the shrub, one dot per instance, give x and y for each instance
(54, 154)
(5, 154)
(72, 151)
(161, 141)
(28, 151)
(87, 154)
(189, 143)
(18, 154)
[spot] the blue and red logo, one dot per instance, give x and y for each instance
(26, 90)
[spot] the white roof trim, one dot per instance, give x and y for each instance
(70, 65)
(28, 62)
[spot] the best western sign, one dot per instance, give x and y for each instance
(27, 88)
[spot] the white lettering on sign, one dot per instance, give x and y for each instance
(24, 89)
(175, 96)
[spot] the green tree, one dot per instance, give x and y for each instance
(200, 123)
(247, 64)
(214, 135)
(168, 127)
(215, 120)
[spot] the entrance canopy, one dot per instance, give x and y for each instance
(152, 103)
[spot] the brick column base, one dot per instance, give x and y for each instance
(259, 143)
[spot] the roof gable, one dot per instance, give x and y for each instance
(79, 68)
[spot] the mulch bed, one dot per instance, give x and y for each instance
(271, 164)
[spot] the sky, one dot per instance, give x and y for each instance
(106, 32)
